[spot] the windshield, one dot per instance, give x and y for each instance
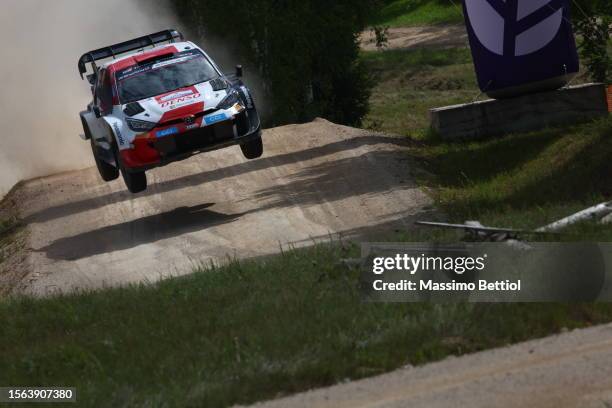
(161, 76)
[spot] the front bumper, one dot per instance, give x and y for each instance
(149, 153)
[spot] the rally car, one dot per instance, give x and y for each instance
(159, 99)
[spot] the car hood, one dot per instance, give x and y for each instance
(180, 103)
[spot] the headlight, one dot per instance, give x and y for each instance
(230, 100)
(139, 125)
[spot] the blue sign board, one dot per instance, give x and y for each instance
(521, 46)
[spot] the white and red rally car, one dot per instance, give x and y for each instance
(164, 100)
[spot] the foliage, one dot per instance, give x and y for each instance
(593, 21)
(306, 52)
(381, 34)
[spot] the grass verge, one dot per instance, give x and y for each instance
(409, 82)
(406, 13)
(246, 332)
(522, 180)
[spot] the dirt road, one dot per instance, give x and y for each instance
(569, 370)
(314, 180)
(419, 37)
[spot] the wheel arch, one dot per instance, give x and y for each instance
(118, 132)
(86, 118)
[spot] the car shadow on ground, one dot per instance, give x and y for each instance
(335, 180)
(145, 230)
(193, 180)
(369, 175)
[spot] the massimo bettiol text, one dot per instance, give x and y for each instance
(485, 272)
(414, 264)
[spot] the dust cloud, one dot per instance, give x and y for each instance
(41, 92)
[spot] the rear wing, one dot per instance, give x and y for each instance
(138, 43)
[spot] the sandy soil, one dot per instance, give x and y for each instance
(415, 37)
(569, 370)
(314, 180)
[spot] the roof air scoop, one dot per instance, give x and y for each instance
(133, 109)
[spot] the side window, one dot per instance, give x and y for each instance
(98, 90)
(104, 92)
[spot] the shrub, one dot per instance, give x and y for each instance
(593, 21)
(306, 52)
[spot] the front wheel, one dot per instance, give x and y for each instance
(135, 182)
(107, 171)
(252, 149)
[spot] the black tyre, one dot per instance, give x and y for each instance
(135, 182)
(108, 172)
(252, 149)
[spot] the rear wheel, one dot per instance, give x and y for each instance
(252, 149)
(107, 171)
(135, 182)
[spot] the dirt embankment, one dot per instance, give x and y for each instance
(314, 180)
(13, 247)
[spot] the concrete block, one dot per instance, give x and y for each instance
(522, 114)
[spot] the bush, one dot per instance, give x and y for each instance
(306, 52)
(593, 24)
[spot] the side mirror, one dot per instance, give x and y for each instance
(239, 71)
(96, 111)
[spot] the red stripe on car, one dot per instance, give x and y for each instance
(182, 112)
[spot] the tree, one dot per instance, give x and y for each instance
(306, 51)
(593, 21)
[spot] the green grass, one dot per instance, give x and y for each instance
(410, 82)
(522, 180)
(405, 13)
(536, 173)
(247, 332)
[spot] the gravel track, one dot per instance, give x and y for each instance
(315, 181)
